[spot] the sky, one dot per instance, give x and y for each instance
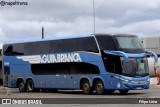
(74, 17)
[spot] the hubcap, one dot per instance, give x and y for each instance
(86, 87)
(21, 86)
(99, 87)
(30, 86)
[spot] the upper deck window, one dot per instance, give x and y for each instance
(86, 44)
(130, 42)
(106, 42)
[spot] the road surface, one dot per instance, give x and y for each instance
(71, 95)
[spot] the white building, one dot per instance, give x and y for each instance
(152, 43)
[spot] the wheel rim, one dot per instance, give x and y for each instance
(21, 87)
(86, 87)
(30, 86)
(99, 87)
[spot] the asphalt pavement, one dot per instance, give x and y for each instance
(71, 98)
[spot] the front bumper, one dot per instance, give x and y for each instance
(133, 85)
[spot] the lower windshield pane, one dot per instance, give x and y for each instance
(135, 67)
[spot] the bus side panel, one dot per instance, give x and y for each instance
(69, 81)
(73, 81)
(19, 71)
(39, 81)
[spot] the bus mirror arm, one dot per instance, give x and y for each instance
(118, 53)
(154, 54)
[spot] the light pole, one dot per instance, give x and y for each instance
(93, 17)
(42, 32)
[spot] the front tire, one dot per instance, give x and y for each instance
(30, 86)
(86, 87)
(99, 87)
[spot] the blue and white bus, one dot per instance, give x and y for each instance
(100, 62)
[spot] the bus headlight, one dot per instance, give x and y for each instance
(148, 79)
(126, 80)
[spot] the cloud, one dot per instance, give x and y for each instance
(1, 32)
(2, 36)
(71, 17)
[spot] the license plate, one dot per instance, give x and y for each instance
(139, 88)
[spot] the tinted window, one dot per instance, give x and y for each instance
(112, 63)
(76, 44)
(16, 49)
(125, 43)
(84, 68)
(47, 69)
(52, 46)
(36, 47)
(64, 68)
(106, 42)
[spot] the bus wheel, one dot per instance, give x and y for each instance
(30, 85)
(99, 87)
(22, 86)
(123, 91)
(86, 87)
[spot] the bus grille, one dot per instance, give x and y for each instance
(138, 82)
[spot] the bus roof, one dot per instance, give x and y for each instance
(70, 37)
(55, 38)
(114, 34)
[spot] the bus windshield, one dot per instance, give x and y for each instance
(135, 67)
(131, 42)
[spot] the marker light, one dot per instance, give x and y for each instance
(126, 80)
(155, 64)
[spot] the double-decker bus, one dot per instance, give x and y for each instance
(90, 62)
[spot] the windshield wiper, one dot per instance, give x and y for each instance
(144, 74)
(131, 75)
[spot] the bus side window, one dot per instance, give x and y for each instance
(84, 68)
(9, 50)
(43, 69)
(62, 68)
(50, 69)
